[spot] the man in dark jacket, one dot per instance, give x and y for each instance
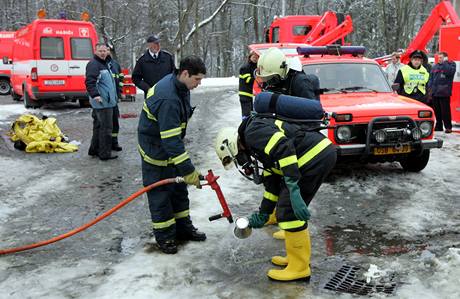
(296, 158)
(118, 77)
(153, 65)
(440, 86)
(246, 83)
(102, 92)
(162, 126)
(412, 78)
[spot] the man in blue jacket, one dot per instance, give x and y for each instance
(102, 92)
(162, 126)
(440, 86)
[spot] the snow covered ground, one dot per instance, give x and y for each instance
(404, 223)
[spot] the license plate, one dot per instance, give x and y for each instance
(54, 82)
(392, 150)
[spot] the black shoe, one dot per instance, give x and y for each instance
(192, 234)
(108, 158)
(168, 246)
(438, 129)
(448, 131)
(116, 148)
(92, 154)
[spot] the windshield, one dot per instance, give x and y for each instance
(349, 77)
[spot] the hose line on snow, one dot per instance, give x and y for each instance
(95, 220)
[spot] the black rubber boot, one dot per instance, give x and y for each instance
(185, 231)
(168, 246)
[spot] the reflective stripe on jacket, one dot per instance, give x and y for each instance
(415, 79)
(163, 123)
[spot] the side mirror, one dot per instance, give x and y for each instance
(6, 60)
(395, 87)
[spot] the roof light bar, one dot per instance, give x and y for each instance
(332, 50)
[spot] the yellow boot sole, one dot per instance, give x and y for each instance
(282, 275)
(279, 235)
(280, 260)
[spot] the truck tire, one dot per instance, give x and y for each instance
(15, 96)
(416, 162)
(28, 102)
(5, 87)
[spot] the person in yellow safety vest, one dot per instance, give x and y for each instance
(412, 79)
(246, 82)
(296, 159)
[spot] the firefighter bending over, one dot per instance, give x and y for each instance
(292, 157)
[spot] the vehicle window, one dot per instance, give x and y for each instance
(352, 77)
(51, 48)
(301, 30)
(276, 34)
(82, 48)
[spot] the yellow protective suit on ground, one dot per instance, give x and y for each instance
(40, 135)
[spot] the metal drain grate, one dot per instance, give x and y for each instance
(345, 281)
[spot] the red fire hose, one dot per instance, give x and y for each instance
(212, 181)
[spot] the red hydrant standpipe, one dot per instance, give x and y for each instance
(212, 181)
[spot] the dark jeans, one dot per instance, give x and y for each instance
(116, 125)
(101, 142)
(441, 106)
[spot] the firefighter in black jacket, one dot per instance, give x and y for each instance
(153, 65)
(246, 83)
(286, 77)
(291, 156)
(118, 77)
(162, 126)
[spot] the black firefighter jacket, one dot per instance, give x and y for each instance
(149, 71)
(246, 81)
(163, 123)
(284, 149)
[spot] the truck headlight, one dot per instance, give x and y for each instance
(344, 133)
(380, 136)
(416, 134)
(426, 128)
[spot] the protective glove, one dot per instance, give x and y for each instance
(298, 204)
(257, 219)
(193, 178)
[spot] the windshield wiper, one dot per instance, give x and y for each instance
(342, 90)
(355, 88)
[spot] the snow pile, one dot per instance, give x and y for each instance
(7, 111)
(213, 82)
(442, 280)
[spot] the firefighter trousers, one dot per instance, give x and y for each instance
(116, 125)
(169, 204)
(311, 179)
(246, 105)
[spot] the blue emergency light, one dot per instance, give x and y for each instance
(332, 50)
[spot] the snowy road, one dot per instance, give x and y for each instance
(407, 224)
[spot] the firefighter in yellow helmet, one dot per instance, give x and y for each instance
(296, 159)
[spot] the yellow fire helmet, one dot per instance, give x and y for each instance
(271, 63)
(226, 146)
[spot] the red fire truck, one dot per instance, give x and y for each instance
(370, 123)
(314, 30)
(49, 60)
(449, 34)
(6, 50)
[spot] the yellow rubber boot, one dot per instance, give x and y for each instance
(279, 235)
(272, 218)
(298, 248)
(279, 260)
